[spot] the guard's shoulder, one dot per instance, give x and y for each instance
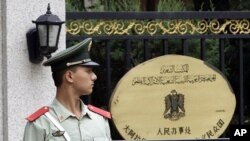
(99, 111)
(38, 113)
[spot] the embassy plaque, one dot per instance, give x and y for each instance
(172, 97)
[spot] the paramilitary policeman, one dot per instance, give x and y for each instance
(68, 118)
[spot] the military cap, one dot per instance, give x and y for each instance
(74, 55)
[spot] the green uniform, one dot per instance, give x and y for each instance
(89, 127)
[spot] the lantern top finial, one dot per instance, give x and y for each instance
(48, 9)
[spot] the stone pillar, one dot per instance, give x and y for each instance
(25, 87)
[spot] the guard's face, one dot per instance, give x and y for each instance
(83, 80)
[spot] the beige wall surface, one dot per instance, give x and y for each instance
(24, 86)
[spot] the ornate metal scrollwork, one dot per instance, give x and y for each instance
(157, 27)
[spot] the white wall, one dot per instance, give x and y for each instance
(1, 54)
(26, 86)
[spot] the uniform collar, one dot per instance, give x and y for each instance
(62, 113)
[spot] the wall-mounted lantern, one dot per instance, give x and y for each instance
(43, 40)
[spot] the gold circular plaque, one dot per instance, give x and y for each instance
(172, 97)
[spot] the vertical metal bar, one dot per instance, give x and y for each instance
(128, 55)
(222, 60)
(222, 55)
(241, 83)
(184, 46)
(165, 46)
(146, 49)
(202, 51)
(108, 69)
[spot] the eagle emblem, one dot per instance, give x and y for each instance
(174, 106)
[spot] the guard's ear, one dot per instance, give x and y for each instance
(68, 76)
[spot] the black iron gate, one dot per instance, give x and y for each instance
(124, 39)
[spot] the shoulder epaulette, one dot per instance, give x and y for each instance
(100, 111)
(38, 113)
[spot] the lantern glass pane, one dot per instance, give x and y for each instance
(42, 31)
(53, 33)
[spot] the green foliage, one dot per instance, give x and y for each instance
(104, 5)
(122, 5)
(75, 5)
(171, 5)
(212, 52)
(240, 5)
(210, 4)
